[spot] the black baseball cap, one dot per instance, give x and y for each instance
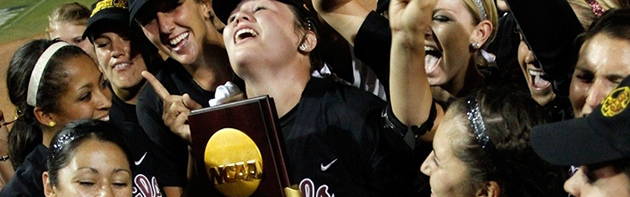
(134, 7)
(223, 8)
(602, 136)
(106, 10)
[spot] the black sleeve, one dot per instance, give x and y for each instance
(171, 154)
(23, 186)
(392, 173)
(399, 135)
(27, 179)
(372, 45)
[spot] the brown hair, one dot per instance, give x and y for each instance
(508, 116)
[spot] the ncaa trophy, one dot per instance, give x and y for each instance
(238, 149)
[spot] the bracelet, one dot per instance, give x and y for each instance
(4, 158)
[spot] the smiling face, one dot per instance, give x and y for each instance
(73, 34)
(448, 48)
(97, 168)
(87, 95)
(597, 182)
(121, 62)
(448, 174)
(257, 27)
(602, 63)
(539, 88)
(179, 29)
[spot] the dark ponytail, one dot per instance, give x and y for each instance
(26, 133)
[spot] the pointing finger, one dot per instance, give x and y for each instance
(157, 86)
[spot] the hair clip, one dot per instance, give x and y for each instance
(57, 145)
(596, 8)
(482, 10)
(476, 121)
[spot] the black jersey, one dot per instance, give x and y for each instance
(171, 151)
(144, 165)
(27, 180)
(335, 145)
(145, 172)
(121, 112)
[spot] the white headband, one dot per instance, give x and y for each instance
(36, 75)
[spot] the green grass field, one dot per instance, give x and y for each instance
(30, 19)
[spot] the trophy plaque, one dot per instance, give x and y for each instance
(238, 150)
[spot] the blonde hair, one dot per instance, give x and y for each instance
(74, 13)
(491, 15)
(585, 14)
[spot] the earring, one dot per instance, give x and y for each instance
(303, 47)
(475, 45)
(52, 124)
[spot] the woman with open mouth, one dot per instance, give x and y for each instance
(547, 56)
(452, 49)
(459, 32)
(537, 83)
(481, 146)
(540, 87)
(187, 32)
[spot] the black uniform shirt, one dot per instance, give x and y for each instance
(145, 172)
(335, 146)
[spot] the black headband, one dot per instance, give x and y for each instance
(61, 141)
